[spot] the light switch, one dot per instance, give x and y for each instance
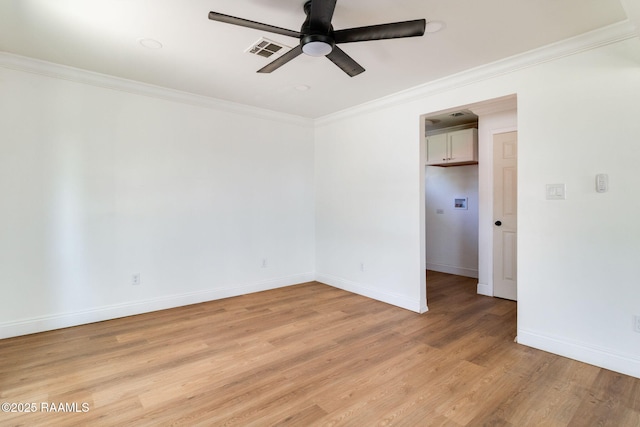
(556, 191)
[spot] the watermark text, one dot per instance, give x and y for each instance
(53, 407)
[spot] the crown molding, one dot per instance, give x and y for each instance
(601, 37)
(91, 78)
(614, 33)
(632, 9)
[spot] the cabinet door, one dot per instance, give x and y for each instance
(437, 149)
(462, 146)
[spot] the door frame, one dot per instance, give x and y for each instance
(493, 133)
(485, 254)
(506, 105)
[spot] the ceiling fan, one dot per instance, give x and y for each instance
(317, 37)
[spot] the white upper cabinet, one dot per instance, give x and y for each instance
(453, 148)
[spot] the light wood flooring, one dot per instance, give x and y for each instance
(311, 355)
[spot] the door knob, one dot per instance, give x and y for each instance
(498, 223)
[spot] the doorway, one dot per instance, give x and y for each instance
(451, 193)
(494, 116)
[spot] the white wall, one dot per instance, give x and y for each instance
(577, 116)
(578, 258)
(367, 193)
(452, 234)
(98, 184)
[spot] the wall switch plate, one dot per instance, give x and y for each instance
(636, 323)
(439, 211)
(602, 183)
(264, 263)
(556, 192)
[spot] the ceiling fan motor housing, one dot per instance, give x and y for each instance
(315, 41)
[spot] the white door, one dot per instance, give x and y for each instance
(505, 203)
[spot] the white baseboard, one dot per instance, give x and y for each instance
(386, 297)
(450, 269)
(98, 314)
(484, 289)
(627, 364)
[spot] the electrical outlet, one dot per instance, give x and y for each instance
(135, 279)
(636, 323)
(362, 266)
(264, 263)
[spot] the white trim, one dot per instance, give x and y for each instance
(422, 225)
(98, 314)
(386, 297)
(601, 37)
(452, 269)
(484, 289)
(498, 131)
(632, 9)
(628, 364)
(77, 75)
(486, 169)
(495, 105)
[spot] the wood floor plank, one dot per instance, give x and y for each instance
(311, 355)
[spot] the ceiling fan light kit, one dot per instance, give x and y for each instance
(318, 38)
(317, 45)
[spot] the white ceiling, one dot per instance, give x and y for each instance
(207, 58)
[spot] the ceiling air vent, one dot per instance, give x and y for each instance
(457, 114)
(267, 48)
